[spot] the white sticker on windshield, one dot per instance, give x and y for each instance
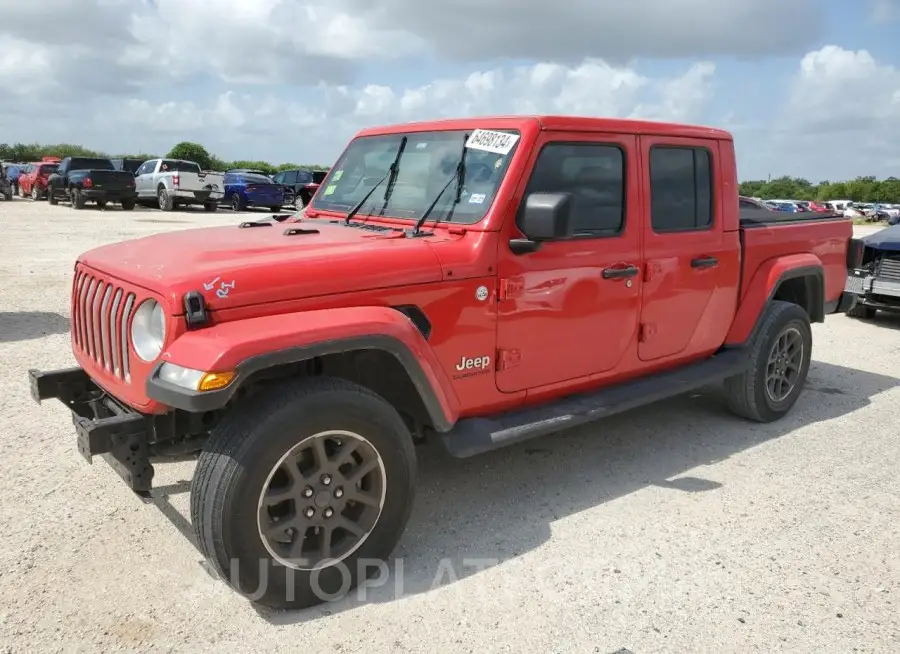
(476, 198)
(496, 142)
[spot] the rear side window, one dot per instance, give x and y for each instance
(595, 176)
(680, 188)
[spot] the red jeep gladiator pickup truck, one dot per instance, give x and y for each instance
(482, 281)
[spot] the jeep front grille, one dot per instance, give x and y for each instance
(101, 311)
(889, 268)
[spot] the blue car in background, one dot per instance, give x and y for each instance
(250, 189)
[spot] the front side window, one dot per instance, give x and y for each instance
(428, 161)
(594, 174)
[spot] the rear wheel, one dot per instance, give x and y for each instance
(51, 195)
(78, 200)
(299, 494)
(165, 201)
(778, 364)
(211, 206)
(21, 191)
(128, 205)
(236, 203)
(101, 204)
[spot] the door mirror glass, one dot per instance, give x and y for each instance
(547, 217)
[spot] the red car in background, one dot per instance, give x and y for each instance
(33, 180)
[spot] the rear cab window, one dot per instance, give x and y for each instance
(170, 165)
(681, 188)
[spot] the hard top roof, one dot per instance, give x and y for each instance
(557, 123)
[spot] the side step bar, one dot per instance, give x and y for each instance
(471, 436)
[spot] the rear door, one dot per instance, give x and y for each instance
(570, 309)
(692, 267)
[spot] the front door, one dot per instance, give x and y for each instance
(143, 177)
(692, 266)
(571, 308)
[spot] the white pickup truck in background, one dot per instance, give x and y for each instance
(172, 182)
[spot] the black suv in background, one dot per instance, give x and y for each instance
(304, 183)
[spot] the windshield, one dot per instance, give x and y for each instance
(428, 161)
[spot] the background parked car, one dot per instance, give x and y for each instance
(131, 165)
(34, 182)
(174, 182)
(303, 183)
(245, 189)
(5, 185)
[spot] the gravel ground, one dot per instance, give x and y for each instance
(691, 533)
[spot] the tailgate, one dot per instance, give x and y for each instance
(111, 179)
(210, 182)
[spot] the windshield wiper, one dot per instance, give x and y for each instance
(459, 177)
(391, 173)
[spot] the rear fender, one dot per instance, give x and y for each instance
(248, 346)
(763, 287)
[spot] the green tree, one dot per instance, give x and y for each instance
(191, 152)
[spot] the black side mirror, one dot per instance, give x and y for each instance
(545, 217)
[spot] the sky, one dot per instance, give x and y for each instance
(809, 88)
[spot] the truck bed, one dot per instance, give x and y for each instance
(779, 233)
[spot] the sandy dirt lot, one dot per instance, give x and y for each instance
(673, 529)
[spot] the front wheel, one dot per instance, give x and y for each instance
(51, 195)
(778, 364)
(861, 311)
(78, 200)
(35, 196)
(299, 495)
(236, 203)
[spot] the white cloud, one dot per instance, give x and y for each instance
(249, 126)
(842, 116)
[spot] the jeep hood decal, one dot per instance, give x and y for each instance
(235, 267)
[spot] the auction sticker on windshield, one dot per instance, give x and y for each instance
(490, 141)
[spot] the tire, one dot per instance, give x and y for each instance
(35, 195)
(51, 195)
(211, 207)
(236, 203)
(243, 453)
(128, 205)
(861, 311)
(78, 200)
(21, 192)
(101, 204)
(165, 201)
(8, 196)
(749, 394)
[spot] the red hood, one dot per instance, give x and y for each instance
(265, 265)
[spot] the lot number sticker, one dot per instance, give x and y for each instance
(489, 141)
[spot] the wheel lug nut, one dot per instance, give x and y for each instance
(307, 492)
(328, 512)
(338, 492)
(326, 479)
(310, 512)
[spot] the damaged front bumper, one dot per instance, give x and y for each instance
(103, 425)
(873, 291)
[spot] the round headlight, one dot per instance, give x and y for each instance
(148, 330)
